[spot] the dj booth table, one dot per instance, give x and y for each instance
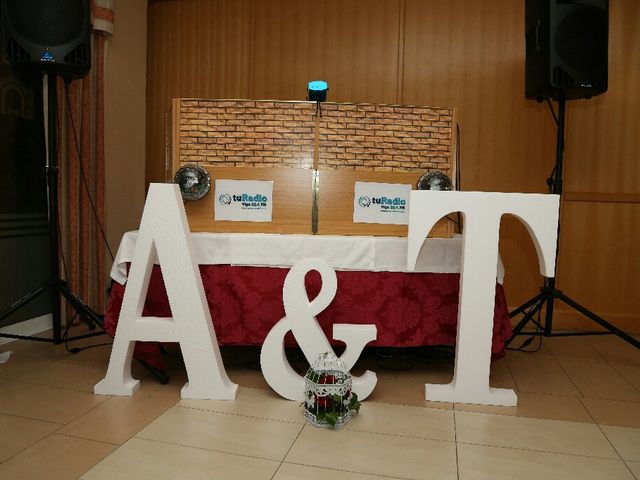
(243, 276)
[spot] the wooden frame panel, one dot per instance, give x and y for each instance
(291, 201)
(335, 205)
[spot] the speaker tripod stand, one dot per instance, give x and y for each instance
(548, 292)
(55, 285)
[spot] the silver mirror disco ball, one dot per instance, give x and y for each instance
(434, 181)
(194, 182)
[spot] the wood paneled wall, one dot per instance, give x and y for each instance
(599, 262)
(467, 54)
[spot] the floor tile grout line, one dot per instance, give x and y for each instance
(626, 464)
(277, 468)
(637, 402)
(64, 425)
(64, 354)
(607, 437)
(84, 363)
(602, 359)
(333, 469)
(27, 447)
(359, 430)
(165, 442)
(66, 389)
(614, 365)
(513, 378)
(411, 405)
(455, 440)
(128, 438)
(602, 423)
(605, 362)
(32, 418)
(582, 395)
(580, 392)
(49, 421)
(87, 439)
(525, 417)
(425, 407)
(81, 477)
(414, 382)
(517, 389)
(520, 449)
(414, 437)
(55, 432)
(603, 356)
(303, 424)
(58, 387)
(288, 450)
(240, 415)
(461, 408)
(385, 434)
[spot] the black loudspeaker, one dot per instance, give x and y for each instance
(48, 36)
(566, 48)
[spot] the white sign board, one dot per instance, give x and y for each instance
(386, 203)
(243, 200)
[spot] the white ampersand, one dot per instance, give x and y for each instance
(300, 319)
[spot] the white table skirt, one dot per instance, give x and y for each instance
(376, 254)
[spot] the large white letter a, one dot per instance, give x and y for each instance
(164, 234)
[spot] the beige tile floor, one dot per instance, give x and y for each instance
(578, 418)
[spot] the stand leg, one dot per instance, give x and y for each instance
(536, 302)
(548, 296)
(57, 286)
(22, 302)
(525, 306)
(79, 306)
(549, 292)
(600, 321)
(56, 290)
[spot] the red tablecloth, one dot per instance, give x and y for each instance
(409, 309)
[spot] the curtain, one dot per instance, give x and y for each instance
(81, 177)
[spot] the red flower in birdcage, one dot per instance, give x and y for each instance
(329, 401)
(323, 402)
(328, 378)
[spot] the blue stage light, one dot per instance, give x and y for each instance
(317, 91)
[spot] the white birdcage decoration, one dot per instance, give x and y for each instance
(329, 400)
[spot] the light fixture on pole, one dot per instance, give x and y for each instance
(317, 92)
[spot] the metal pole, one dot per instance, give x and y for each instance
(555, 187)
(51, 108)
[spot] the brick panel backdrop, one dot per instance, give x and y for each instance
(367, 137)
(245, 133)
(385, 137)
